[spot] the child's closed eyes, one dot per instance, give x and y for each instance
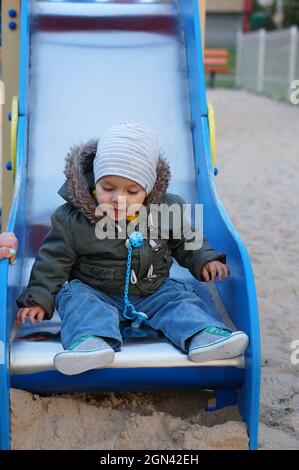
(129, 192)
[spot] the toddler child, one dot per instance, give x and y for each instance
(95, 281)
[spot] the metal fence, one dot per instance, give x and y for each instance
(268, 62)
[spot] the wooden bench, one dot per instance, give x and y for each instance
(216, 61)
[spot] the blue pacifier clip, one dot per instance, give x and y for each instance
(135, 241)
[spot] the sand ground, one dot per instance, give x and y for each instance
(258, 161)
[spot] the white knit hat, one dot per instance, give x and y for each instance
(128, 149)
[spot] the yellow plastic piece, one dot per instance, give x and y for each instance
(14, 133)
(212, 129)
(132, 217)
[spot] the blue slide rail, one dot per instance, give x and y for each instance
(238, 295)
(10, 278)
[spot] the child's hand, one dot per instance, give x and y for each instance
(8, 246)
(31, 312)
(212, 269)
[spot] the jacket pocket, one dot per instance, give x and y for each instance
(97, 272)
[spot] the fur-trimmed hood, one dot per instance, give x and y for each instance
(79, 185)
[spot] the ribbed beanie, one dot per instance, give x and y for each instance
(128, 149)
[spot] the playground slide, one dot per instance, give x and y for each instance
(84, 65)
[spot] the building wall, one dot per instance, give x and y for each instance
(221, 29)
(232, 6)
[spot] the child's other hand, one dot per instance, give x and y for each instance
(32, 313)
(212, 269)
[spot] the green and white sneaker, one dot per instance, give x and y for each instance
(213, 343)
(88, 352)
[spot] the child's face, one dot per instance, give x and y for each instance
(120, 193)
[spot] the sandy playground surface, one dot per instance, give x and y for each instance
(258, 161)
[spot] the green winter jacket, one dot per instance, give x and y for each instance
(71, 249)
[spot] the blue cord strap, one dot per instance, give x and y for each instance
(135, 241)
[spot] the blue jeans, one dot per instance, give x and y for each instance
(175, 309)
